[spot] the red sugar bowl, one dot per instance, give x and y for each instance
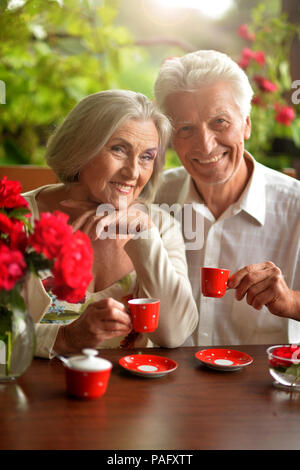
(87, 376)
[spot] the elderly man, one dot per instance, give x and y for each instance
(250, 214)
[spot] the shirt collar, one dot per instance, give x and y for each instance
(252, 200)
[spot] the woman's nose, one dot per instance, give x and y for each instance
(131, 168)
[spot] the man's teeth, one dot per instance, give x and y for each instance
(210, 160)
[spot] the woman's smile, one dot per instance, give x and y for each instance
(124, 166)
(123, 188)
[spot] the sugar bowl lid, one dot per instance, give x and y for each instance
(89, 362)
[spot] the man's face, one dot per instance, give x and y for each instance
(209, 133)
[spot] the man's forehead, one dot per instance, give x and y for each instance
(211, 101)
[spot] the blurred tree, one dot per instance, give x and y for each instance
(52, 54)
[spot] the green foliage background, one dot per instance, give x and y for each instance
(52, 54)
(55, 52)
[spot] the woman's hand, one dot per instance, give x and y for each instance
(100, 321)
(125, 222)
(103, 221)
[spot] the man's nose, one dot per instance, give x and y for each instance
(205, 140)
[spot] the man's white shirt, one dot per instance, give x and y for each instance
(263, 225)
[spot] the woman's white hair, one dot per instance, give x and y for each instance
(92, 122)
(202, 68)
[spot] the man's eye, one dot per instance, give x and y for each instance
(220, 121)
(184, 131)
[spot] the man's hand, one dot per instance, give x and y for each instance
(264, 284)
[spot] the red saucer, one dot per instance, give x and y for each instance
(148, 365)
(223, 359)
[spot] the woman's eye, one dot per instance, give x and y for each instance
(117, 149)
(147, 157)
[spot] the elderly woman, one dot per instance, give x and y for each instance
(108, 154)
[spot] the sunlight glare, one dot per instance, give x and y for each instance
(212, 8)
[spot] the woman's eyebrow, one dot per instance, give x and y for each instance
(121, 140)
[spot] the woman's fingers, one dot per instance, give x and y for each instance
(101, 320)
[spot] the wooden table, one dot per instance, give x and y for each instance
(191, 408)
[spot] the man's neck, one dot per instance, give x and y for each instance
(219, 197)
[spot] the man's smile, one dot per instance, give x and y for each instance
(213, 159)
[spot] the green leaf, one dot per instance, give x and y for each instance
(294, 370)
(11, 299)
(5, 320)
(18, 213)
(37, 262)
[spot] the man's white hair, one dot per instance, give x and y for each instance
(202, 68)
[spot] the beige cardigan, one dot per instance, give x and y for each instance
(158, 257)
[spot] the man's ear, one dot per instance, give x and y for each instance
(247, 130)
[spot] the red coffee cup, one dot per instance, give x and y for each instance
(87, 376)
(214, 281)
(144, 314)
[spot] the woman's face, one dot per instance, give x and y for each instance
(123, 167)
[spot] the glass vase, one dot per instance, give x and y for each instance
(17, 343)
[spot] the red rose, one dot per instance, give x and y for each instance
(244, 32)
(264, 84)
(74, 296)
(258, 101)
(243, 63)
(15, 235)
(6, 225)
(288, 352)
(12, 267)
(18, 238)
(51, 233)
(260, 58)
(10, 194)
(285, 352)
(285, 115)
(247, 55)
(72, 270)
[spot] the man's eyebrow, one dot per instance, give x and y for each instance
(221, 112)
(181, 123)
